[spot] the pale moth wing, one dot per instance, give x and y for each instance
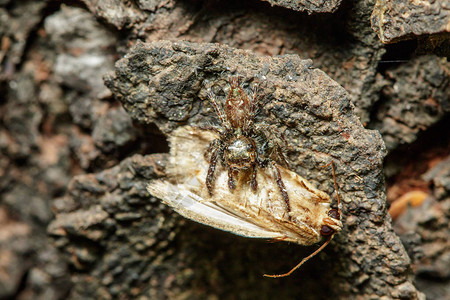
(257, 214)
(193, 207)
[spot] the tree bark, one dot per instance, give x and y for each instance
(91, 89)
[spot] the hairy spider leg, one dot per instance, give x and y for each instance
(220, 114)
(215, 145)
(282, 157)
(253, 182)
(231, 173)
(281, 186)
(283, 138)
(279, 149)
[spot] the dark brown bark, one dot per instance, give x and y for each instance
(77, 151)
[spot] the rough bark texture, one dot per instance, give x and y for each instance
(404, 19)
(423, 85)
(309, 6)
(71, 156)
(424, 232)
(16, 24)
(166, 83)
(343, 45)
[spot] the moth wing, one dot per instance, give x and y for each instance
(194, 207)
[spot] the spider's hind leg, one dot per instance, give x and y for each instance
(253, 182)
(281, 185)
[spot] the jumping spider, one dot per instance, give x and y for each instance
(243, 145)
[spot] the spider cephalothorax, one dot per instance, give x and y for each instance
(242, 145)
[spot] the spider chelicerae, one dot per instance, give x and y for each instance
(243, 146)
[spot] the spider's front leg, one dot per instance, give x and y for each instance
(216, 150)
(222, 117)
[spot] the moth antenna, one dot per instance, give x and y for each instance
(303, 260)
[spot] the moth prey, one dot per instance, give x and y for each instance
(260, 213)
